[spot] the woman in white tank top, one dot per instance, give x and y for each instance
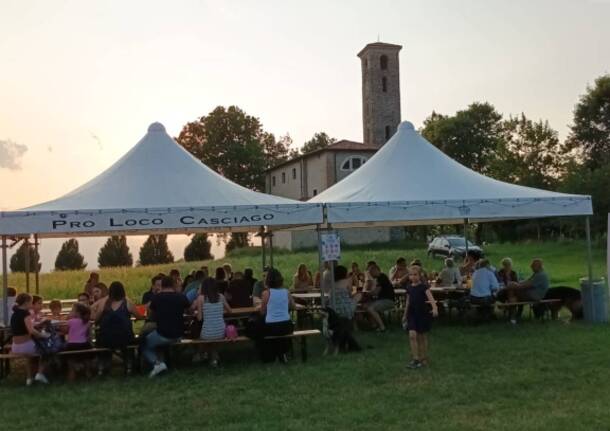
(276, 303)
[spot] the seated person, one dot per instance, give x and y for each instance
(382, 294)
(94, 279)
(341, 313)
(238, 293)
(357, 277)
(168, 307)
(472, 257)
(10, 303)
(259, 287)
(302, 281)
(192, 289)
(175, 274)
(398, 272)
(222, 281)
(275, 308)
(506, 275)
(155, 287)
(484, 284)
(211, 307)
(99, 291)
(228, 271)
(369, 280)
(55, 308)
(78, 329)
(249, 277)
(450, 275)
(36, 310)
(532, 289)
(84, 298)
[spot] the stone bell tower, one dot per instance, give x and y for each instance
(380, 92)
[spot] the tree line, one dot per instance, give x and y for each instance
(115, 252)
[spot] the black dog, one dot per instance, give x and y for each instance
(569, 297)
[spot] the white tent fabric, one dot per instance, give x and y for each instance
(410, 181)
(158, 186)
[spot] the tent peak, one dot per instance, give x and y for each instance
(406, 125)
(156, 127)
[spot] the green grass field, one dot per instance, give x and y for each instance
(565, 262)
(535, 376)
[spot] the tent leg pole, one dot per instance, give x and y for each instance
(320, 264)
(466, 237)
(332, 279)
(36, 268)
(4, 282)
(589, 254)
(264, 247)
(27, 264)
(270, 249)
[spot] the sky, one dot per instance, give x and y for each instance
(81, 81)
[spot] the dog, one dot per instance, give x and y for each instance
(569, 298)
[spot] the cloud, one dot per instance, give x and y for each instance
(10, 154)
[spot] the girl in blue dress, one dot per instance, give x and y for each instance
(417, 319)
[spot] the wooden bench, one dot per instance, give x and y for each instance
(506, 306)
(301, 335)
(6, 358)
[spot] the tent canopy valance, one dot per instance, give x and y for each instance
(157, 187)
(410, 181)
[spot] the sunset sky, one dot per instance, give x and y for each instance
(80, 81)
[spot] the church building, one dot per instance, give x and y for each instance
(309, 174)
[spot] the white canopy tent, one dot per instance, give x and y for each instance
(157, 187)
(410, 181)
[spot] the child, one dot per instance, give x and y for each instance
(78, 328)
(417, 319)
(55, 307)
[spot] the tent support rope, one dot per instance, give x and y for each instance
(589, 254)
(466, 237)
(36, 268)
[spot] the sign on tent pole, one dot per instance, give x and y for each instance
(330, 246)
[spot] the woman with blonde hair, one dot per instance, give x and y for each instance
(302, 280)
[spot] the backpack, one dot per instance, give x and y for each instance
(51, 345)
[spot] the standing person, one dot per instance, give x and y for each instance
(417, 319)
(94, 279)
(340, 320)
(302, 281)
(168, 308)
(382, 295)
(113, 317)
(24, 333)
(275, 308)
(211, 306)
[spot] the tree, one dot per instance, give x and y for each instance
(238, 240)
(589, 137)
(115, 253)
(230, 142)
(198, 248)
(531, 154)
(277, 151)
(69, 257)
(155, 251)
(17, 263)
(318, 141)
(472, 137)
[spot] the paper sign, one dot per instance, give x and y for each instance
(331, 246)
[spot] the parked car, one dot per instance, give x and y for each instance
(451, 246)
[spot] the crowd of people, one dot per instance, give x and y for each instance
(104, 313)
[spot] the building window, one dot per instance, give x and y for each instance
(384, 84)
(273, 181)
(283, 177)
(353, 163)
(315, 192)
(294, 173)
(383, 62)
(387, 132)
